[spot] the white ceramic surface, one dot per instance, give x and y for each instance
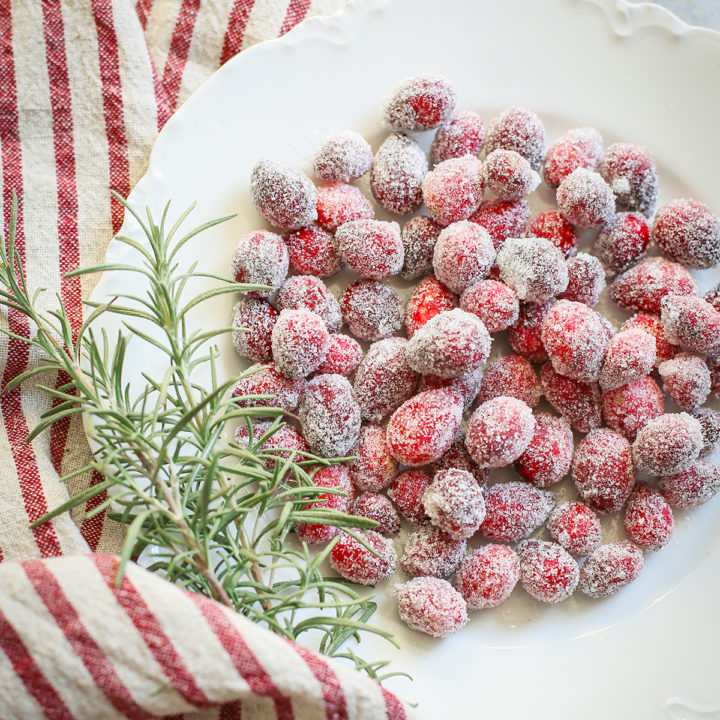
(636, 73)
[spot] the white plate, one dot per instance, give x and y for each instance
(634, 72)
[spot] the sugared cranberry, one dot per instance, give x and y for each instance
(283, 392)
(254, 319)
(343, 157)
(649, 520)
(589, 140)
(631, 173)
(313, 251)
(693, 486)
(709, 419)
(284, 442)
(358, 564)
(260, 258)
(375, 468)
(431, 605)
(577, 402)
(586, 280)
(454, 503)
(623, 242)
(509, 176)
(493, 302)
(431, 551)
(463, 255)
(343, 356)
(691, 322)
(668, 444)
(575, 527)
(339, 203)
(284, 196)
(463, 135)
(420, 103)
(418, 235)
(310, 293)
(407, 491)
(630, 407)
(610, 568)
(603, 470)
(548, 457)
(454, 189)
(299, 342)
(652, 324)
(686, 378)
(513, 376)
(552, 226)
(397, 172)
(525, 335)
(502, 219)
(563, 158)
(429, 299)
(372, 248)
(371, 309)
(518, 129)
(713, 297)
(630, 355)
(547, 571)
(334, 477)
(513, 510)
(487, 576)
(458, 458)
(377, 507)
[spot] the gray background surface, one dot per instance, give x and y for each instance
(695, 12)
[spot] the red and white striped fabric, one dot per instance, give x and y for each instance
(85, 86)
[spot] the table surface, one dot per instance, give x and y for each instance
(695, 12)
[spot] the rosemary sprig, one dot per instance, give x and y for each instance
(211, 514)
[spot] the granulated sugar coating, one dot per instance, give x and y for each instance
(454, 503)
(343, 356)
(652, 324)
(257, 318)
(649, 520)
(589, 140)
(623, 242)
(339, 203)
(509, 176)
(575, 338)
(449, 345)
(282, 392)
(502, 219)
(518, 129)
(284, 196)
(358, 564)
(487, 576)
(577, 402)
(552, 226)
(668, 444)
(336, 477)
(547, 459)
(692, 487)
(397, 172)
(513, 510)
(466, 386)
(418, 235)
(310, 293)
(512, 376)
(499, 431)
(260, 258)
(463, 135)
(631, 173)
(713, 297)
(299, 342)
(378, 507)
(563, 158)
(630, 355)
(313, 251)
(329, 416)
(423, 428)
(384, 380)
(372, 248)
(372, 310)
(454, 189)
(533, 267)
(575, 527)
(586, 280)
(407, 491)
(643, 286)
(632, 406)
(709, 420)
(429, 298)
(493, 302)
(610, 568)
(547, 571)
(343, 157)
(375, 468)
(431, 605)
(458, 458)
(585, 199)
(603, 470)
(686, 378)
(463, 255)
(525, 335)
(691, 322)
(420, 103)
(279, 446)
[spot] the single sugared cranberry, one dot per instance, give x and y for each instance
(585, 199)
(643, 286)
(254, 319)
(603, 470)
(283, 392)
(377, 507)
(310, 293)
(649, 520)
(454, 189)
(586, 280)
(577, 402)
(299, 342)
(575, 527)
(284, 443)
(631, 173)
(397, 172)
(668, 444)
(552, 226)
(420, 103)
(610, 568)
(407, 492)
(329, 415)
(384, 380)
(487, 576)
(372, 248)
(513, 510)
(343, 356)
(431, 605)
(419, 235)
(525, 335)
(371, 309)
(688, 232)
(548, 573)
(336, 478)
(623, 242)
(431, 551)
(463, 135)
(652, 324)
(358, 564)
(313, 251)
(423, 428)
(260, 258)
(693, 486)
(343, 157)
(375, 468)
(709, 420)
(686, 378)
(339, 203)
(466, 386)
(454, 503)
(284, 196)
(518, 129)
(630, 407)
(589, 140)
(463, 255)
(429, 299)
(458, 458)
(563, 158)
(493, 302)
(691, 322)
(630, 355)
(502, 219)
(509, 176)
(548, 457)
(513, 376)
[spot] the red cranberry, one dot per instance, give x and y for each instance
(630, 355)
(668, 444)
(487, 576)
(419, 235)
(649, 520)
(513, 510)
(375, 468)
(339, 203)
(430, 551)
(562, 158)
(686, 378)
(358, 564)
(652, 324)
(299, 342)
(709, 420)
(552, 226)
(548, 457)
(577, 402)
(610, 568)
(463, 255)
(623, 242)
(310, 293)
(575, 527)
(343, 157)
(453, 190)
(284, 392)
(547, 572)
(285, 197)
(397, 172)
(313, 251)
(372, 248)
(586, 280)
(260, 258)
(454, 503)
(378, 508)
(407, 491)
(513, 376)
(372, 310)
(502, 219)
(458, 458)
(463, 135)
(420, 103)
(525, 335)
(334, 477)
(429, 299)
(691, 322)
(693, 486)
(688, 232)
(254, 319)
(431, 606)
(509, 176)
(631, 173)
(630, 407)
(493, 302)
(343, 356)
(585, 199)
(518, 129)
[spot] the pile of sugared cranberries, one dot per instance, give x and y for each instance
(453, 449)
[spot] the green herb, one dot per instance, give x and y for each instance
(218, 521)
